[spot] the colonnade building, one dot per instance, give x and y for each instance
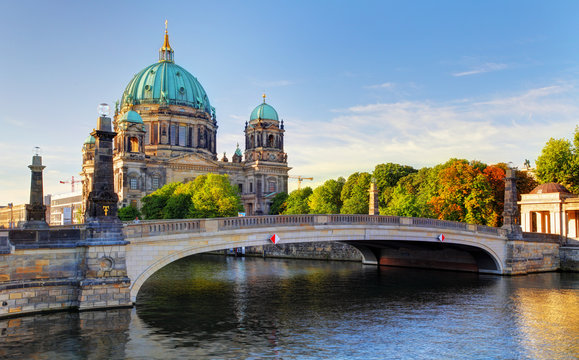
(552, 209)
(167, 132)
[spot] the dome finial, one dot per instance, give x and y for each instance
(263, 96)
(166, 52)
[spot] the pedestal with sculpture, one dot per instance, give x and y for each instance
(105, 282)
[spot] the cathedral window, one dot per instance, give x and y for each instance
(270, 141)
(155, 133)
(182, 135)
(271, 187)
(147, 135)
(133, 183)
(155, 182)
(240, 186)
(134, 144)
(173, 133)
(250, 187)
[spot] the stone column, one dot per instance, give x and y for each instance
(104, 271)
(36, 210)
(511, 209)
(374, 202)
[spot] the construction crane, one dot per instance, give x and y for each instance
(300, 179)
(71, 182)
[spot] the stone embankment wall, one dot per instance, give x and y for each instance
(312, 251)
(52, 270)
(535, 253)
(34, 280)
(569, 258)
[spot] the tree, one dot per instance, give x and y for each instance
(178, 205)
(326, 199)
(278, 203)
(154, 203)
(559, 162)
(128, 213)
(525, 183)
(355, 194)
(214, 196)
(297, 201)
(465, 194)
(386, 177)
(411, 196)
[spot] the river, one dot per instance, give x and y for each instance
(214, 307)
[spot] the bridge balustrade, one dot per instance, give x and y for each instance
(156, 227)
(264, 221)
(425, 222)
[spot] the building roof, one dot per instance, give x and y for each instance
(90, 140)
(550, 188)
(131, 116)
(264, 112)
(166, 83)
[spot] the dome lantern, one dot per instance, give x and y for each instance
(166, 53)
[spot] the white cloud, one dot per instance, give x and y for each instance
(423, 133)
(386, 85)
(484, 68)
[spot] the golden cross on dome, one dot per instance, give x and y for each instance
(263, 98)
(165, 25)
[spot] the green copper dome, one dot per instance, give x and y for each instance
(89, 140)
(166, 83)
(131, 116)
(264, 112)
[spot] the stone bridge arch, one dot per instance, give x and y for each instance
(155, 244)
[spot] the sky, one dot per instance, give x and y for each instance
(357, 83)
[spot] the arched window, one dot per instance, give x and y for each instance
(272, 186)
(134, 144)
(270, 141)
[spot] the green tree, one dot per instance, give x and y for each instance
(179, 203)
(355, 194)
(559, 162)
(278, 204)
(411, 196)
(387, 177)
(154, 203)
(128, 213)
(297, 202)
(326, 198)
(214, 196)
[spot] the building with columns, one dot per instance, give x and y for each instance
(550, 208)
(167, 132)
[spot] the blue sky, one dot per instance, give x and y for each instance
(357, 83)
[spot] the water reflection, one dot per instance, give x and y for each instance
(217, 307)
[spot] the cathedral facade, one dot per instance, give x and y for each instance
(167, 132)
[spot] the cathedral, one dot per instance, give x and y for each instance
(167, 132)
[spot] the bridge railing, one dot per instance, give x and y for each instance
(264, 221)
(338, 219)
(147, 228)
(158, 227)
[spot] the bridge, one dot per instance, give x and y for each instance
(63, 268)
(155, 244)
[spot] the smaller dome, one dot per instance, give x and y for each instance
(89, 140)
(264, 112)
(131, 116)
(550, 188)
